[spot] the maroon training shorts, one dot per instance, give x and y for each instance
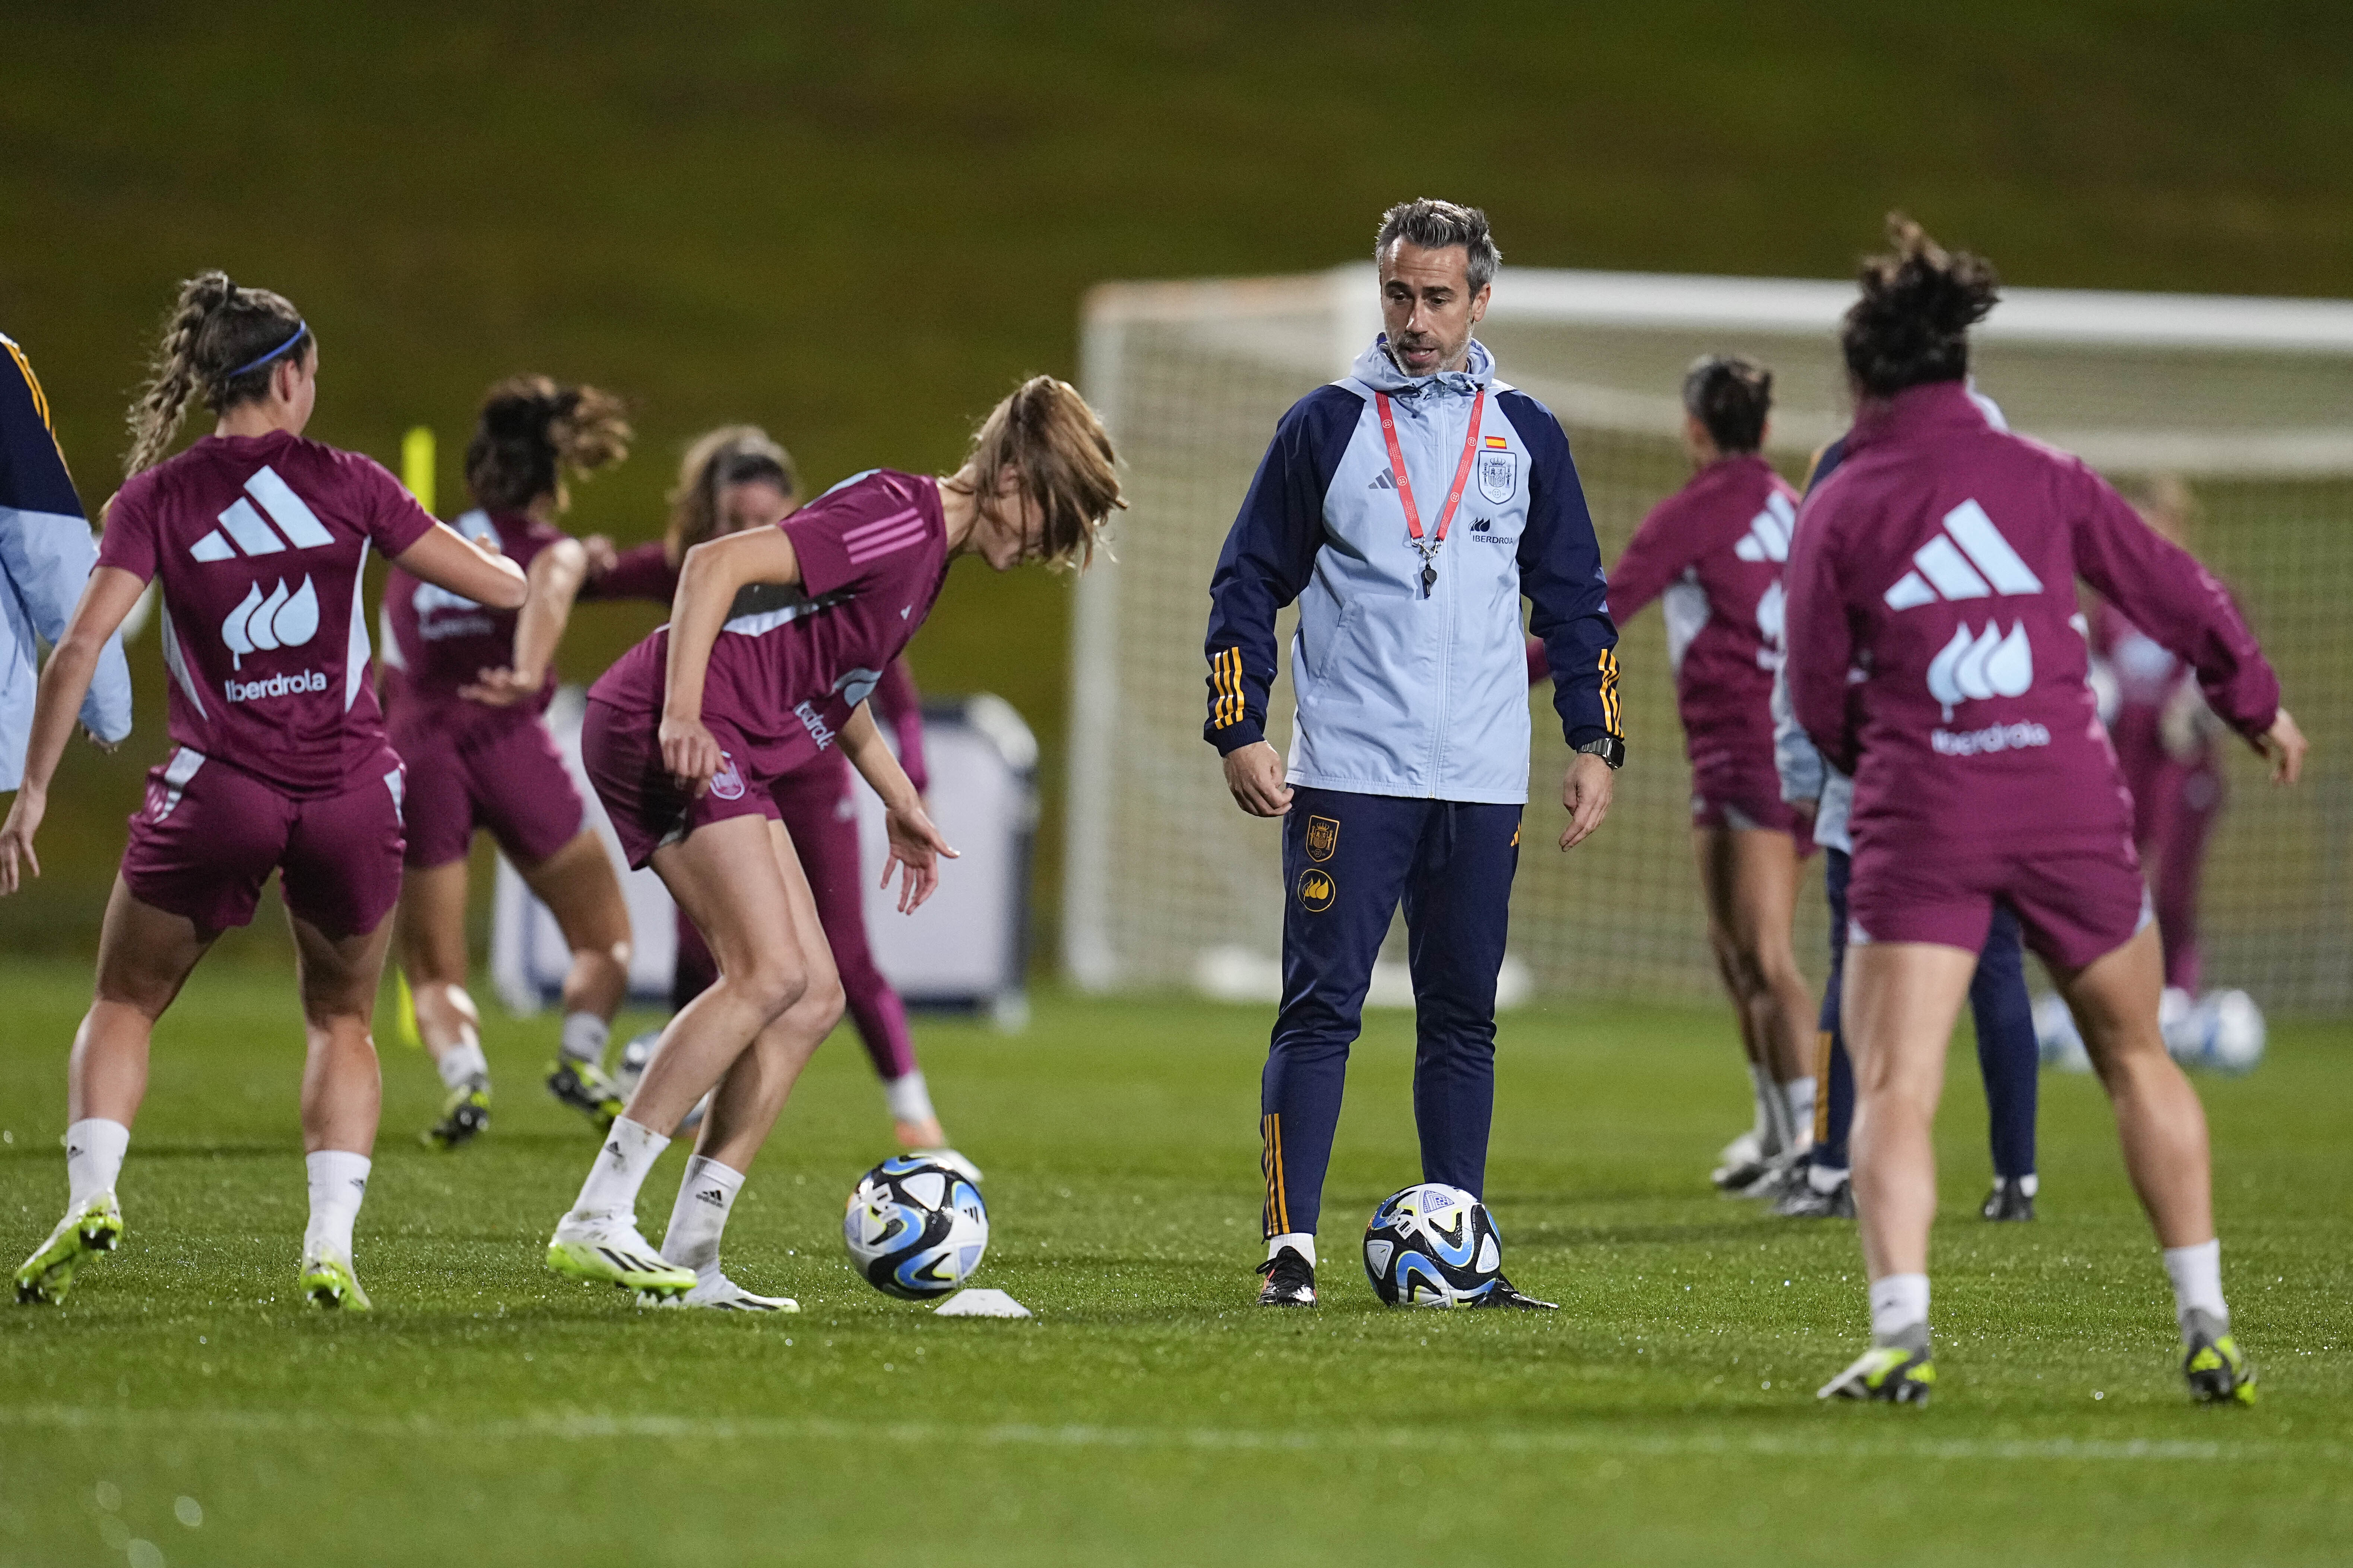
(210, 835)
(1748, 798)
(623, 756)
(505, 776)
(2075, 905)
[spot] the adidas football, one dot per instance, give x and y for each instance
(915, 1228)
(1432, 1246)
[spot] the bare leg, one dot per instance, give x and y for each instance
(1711, 849)
(1898, 1012)
(431, 919)
(144, 956)
(578, 885)
(342, 1091)
(2158, 1118)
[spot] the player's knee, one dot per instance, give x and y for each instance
(772, 983)
(821, 1004)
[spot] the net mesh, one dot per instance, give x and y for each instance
(1168, 877)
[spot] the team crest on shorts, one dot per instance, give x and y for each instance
(1322, 838)
(727, 783)
(1316, 891)
(1499, 475)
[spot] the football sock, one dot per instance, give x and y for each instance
(338, 1182)
(1825, 1178)
(463, 1064)
(94, 1147)
(585, 1034)
(630, 1152)
(2028, 1184)
(1799, 1095)
(2197, 1276)
(1299, 1241)
(1899, 1303)
(910, 1098)
(705, 1195)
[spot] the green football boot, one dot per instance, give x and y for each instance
(607, 1250)
(2218, 1371)
(1894, 1374)
(465, 1114)
(47, 1275)
(329, 1283)
(584, 1086)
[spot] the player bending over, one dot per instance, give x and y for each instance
(279, 760)
(685, 739)
(735, 479)
(465, 687)
(1940, 560)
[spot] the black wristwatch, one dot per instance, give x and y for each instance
(1610, 749)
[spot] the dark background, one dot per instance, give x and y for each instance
(858, 226)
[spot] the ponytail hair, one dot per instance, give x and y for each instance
(221, 342)
(532, 432)
(1731, 395)
(1919, 301)
(1046, 433)
(731, 454)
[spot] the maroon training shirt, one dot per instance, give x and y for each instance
(874, 554)
(260, 543)
(440, 642)
(1940, 559)
(1715, 549)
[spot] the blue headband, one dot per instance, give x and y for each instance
(299, 328)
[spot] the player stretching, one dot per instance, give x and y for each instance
(464, 688)
(685, 739)
(1940, 560)
(1713, 550)
(278, 763)
(735, 479)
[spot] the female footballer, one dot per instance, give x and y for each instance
(1939, 561)
(279, 760)
(685, 739)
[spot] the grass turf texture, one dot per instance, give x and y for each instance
(1147, 1413)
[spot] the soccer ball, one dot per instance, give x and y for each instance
(2223, 1030)
(1431, 1244)
(915, 1228)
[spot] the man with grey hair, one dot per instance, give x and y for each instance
(1409, 507)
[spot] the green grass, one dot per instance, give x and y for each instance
(491, 1411)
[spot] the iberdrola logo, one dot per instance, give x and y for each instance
(264, 624)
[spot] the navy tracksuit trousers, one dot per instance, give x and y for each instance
(1348, 861)
(2008, 1056)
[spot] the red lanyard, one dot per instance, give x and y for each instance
(1405, 486)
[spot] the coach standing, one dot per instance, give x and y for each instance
(1407, 507)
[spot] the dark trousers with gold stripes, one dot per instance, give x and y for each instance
(1348, 860)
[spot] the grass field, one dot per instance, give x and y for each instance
(489, 1411)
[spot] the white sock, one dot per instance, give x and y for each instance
(339, 1181)
(705, 1197)
(585, 1034)
(2197, 1276)
(1299, 1241)
(1898, 1302)
(2029, 1184)
(910, 1098)
(463, 1064)
(611, 1189)
(1798, 1094)
(94, 1149)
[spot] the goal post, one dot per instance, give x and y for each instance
(2249, 402)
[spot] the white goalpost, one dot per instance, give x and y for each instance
(2249, 402)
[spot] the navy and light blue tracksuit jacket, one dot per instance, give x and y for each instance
(46, 557)
(1401, 694)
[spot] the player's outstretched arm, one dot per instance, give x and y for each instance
(65, 680)
(448, 559)
(915, 843)
(708, 580)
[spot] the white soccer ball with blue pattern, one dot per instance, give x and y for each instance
(1431, 1245)
(915, 1228)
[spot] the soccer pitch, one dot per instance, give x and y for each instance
(489, 1411)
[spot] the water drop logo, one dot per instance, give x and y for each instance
(262, 623)
(1973, 667)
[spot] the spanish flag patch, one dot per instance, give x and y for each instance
(1497, 443)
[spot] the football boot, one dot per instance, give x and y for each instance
(94, 1227)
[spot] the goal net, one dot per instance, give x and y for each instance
(2248, 401)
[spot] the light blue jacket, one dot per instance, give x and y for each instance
(45, 558)
(1401, 692)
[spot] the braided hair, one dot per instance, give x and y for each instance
(221, 342)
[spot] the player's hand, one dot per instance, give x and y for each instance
(603, 555)
(1254, 773)
(1584, 791)
(690, 753)
(916, 845)
(2284, 745)
(100, 741)
(16, 836)
(501, 689)
(1807, 810)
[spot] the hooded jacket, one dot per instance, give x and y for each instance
(46, 557)
(1404, 692)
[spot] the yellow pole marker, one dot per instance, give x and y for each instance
(406, 1024)
(416, 464)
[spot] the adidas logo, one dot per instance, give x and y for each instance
(1386, 480)
(1970, 560)
(712, 1196)
(1768, 538)
(614, 1147)
(242, 523)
